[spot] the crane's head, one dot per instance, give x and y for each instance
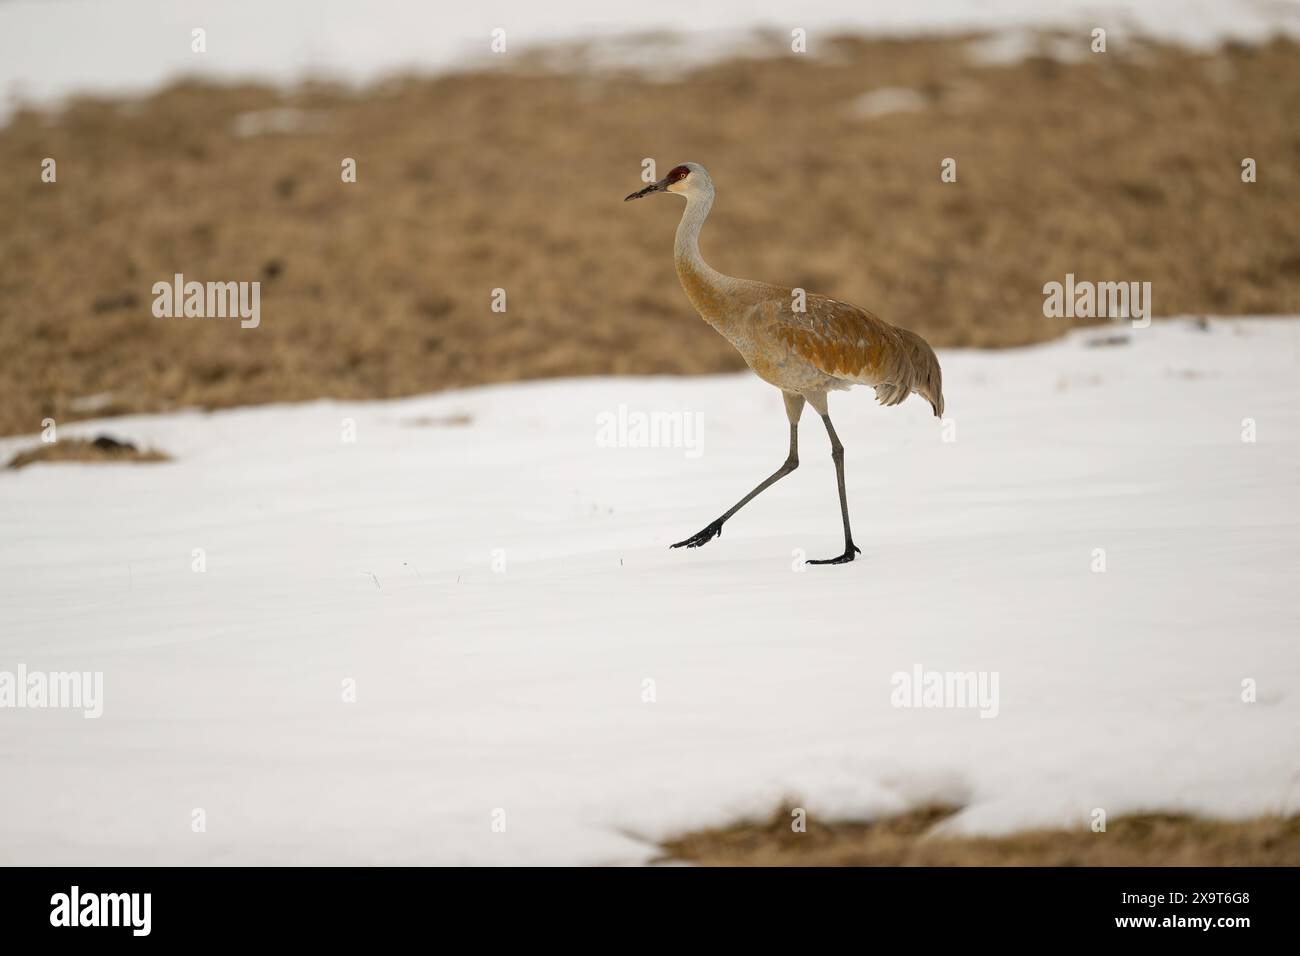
(687, 180)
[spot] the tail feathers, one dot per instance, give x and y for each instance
(917, 371)
(887, 394)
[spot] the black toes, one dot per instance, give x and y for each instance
(844, 558)
(704, 537)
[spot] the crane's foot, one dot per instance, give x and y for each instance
(850, 552)
(714, 530)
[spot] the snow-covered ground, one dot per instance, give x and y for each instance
(502, 591)
(51, 49)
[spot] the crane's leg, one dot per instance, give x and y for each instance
(793, 409)
(837, 455)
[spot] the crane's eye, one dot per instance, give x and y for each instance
(678, 173)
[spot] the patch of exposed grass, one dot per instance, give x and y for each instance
(102, 449)
(908, 840)
(457, 420)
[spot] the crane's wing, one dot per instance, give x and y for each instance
(849, 342)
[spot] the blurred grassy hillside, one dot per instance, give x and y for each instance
(913, 839)
(1117, 166)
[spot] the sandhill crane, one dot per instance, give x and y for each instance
(804, 352)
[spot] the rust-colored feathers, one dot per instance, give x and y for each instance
(849, 343)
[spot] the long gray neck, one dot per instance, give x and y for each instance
(704, 285)
(688, 230)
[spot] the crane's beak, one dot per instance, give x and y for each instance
(652, 188)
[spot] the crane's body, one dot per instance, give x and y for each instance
(807, 345)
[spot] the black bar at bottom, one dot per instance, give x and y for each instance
(655, 905)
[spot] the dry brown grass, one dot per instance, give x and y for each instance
(1123, 166)
(101, 449)
(1141, 840)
